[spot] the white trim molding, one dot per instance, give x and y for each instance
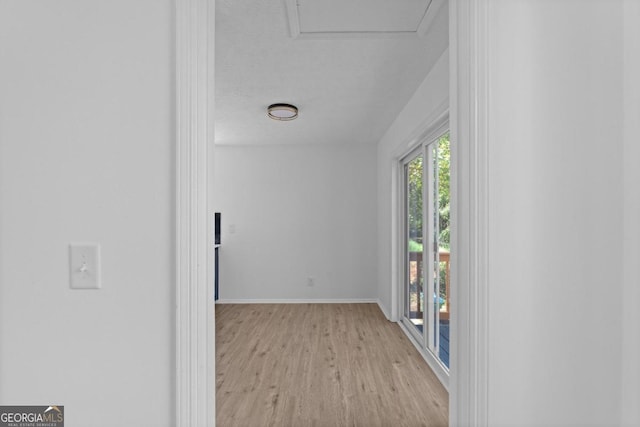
(430, 15)
(298, 301)
(430, 127)
(469, 92)
(195, 328)
(293, 17)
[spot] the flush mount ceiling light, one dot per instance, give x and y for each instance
(282, 112)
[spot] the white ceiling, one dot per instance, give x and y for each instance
(348, 89)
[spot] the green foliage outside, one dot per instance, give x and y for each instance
(415, 200)
(415, 246)
(444, 187)
(442, 155)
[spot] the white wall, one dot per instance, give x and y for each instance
(555, 212)
(86, 154)
(298, 212)
(631, 293)
(432, 94)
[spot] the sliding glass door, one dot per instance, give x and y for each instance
(414, 295)
(426, 193)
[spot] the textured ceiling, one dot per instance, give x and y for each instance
(348, 90)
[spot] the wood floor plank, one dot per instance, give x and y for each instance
(320, 365)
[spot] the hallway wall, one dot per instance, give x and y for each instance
(87, 154)
(555, 212)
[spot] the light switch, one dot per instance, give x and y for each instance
(84, 266)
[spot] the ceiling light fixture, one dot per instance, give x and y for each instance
(282, 112)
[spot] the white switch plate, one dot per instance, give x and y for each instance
(84, 266)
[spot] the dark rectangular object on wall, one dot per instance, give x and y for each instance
(217, 278)
(217, 227)
(217, 232)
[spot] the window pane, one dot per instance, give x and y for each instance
(444, 248)
(415, 294)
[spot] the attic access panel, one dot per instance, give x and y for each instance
(340, 18)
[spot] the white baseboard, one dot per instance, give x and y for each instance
(384, 310)
(299, 301)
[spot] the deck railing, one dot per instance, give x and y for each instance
(415, 267)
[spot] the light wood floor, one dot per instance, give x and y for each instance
(291, 365)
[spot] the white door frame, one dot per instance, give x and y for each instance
(195, 328)
(469, 98)
(195, 317)
(436, 125)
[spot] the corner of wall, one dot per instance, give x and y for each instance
(384, 310)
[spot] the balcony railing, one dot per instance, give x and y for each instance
(415, 267)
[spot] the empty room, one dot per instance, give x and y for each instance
(306, 99)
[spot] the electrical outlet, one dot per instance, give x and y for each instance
(84, 266)
(311, 281)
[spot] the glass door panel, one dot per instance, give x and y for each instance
(444, 245)
(427, 250)
(439, 153)
(414, 292)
